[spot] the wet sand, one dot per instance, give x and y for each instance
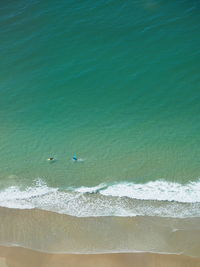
(58, 236)
(58, 233)
(20, 257)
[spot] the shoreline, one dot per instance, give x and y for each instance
(21, 257)
(51, 232)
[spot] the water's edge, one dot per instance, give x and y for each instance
(58, 233)
(10, 256)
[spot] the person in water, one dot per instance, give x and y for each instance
(51, 159)
(75, 157)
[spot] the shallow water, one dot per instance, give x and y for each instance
(57, 233)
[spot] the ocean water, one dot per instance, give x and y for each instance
(117, 83)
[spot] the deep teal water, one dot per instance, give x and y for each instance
(116, 82)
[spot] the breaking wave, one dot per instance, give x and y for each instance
(155, 198)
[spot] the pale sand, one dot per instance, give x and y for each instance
(20, 257)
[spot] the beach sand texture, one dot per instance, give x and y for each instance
(56, 240)
(20, 257)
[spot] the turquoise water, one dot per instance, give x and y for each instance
(115, 82)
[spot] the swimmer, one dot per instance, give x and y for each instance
(75, 159)
(51, 159)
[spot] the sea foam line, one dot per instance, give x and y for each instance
(157, 198)
(154, 190)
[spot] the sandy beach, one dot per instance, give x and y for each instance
(51, 232)
(35, 238)
(20, 257)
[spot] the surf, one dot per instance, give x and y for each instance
(156, 198)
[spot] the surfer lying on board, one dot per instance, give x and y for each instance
(75, 159)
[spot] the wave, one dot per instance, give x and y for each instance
(156, 198)
(157, 190)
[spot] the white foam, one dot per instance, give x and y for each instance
(157, 190)
(122, 199)
(14, 197)
(95, 189)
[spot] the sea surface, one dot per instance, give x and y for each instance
(118, 84)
